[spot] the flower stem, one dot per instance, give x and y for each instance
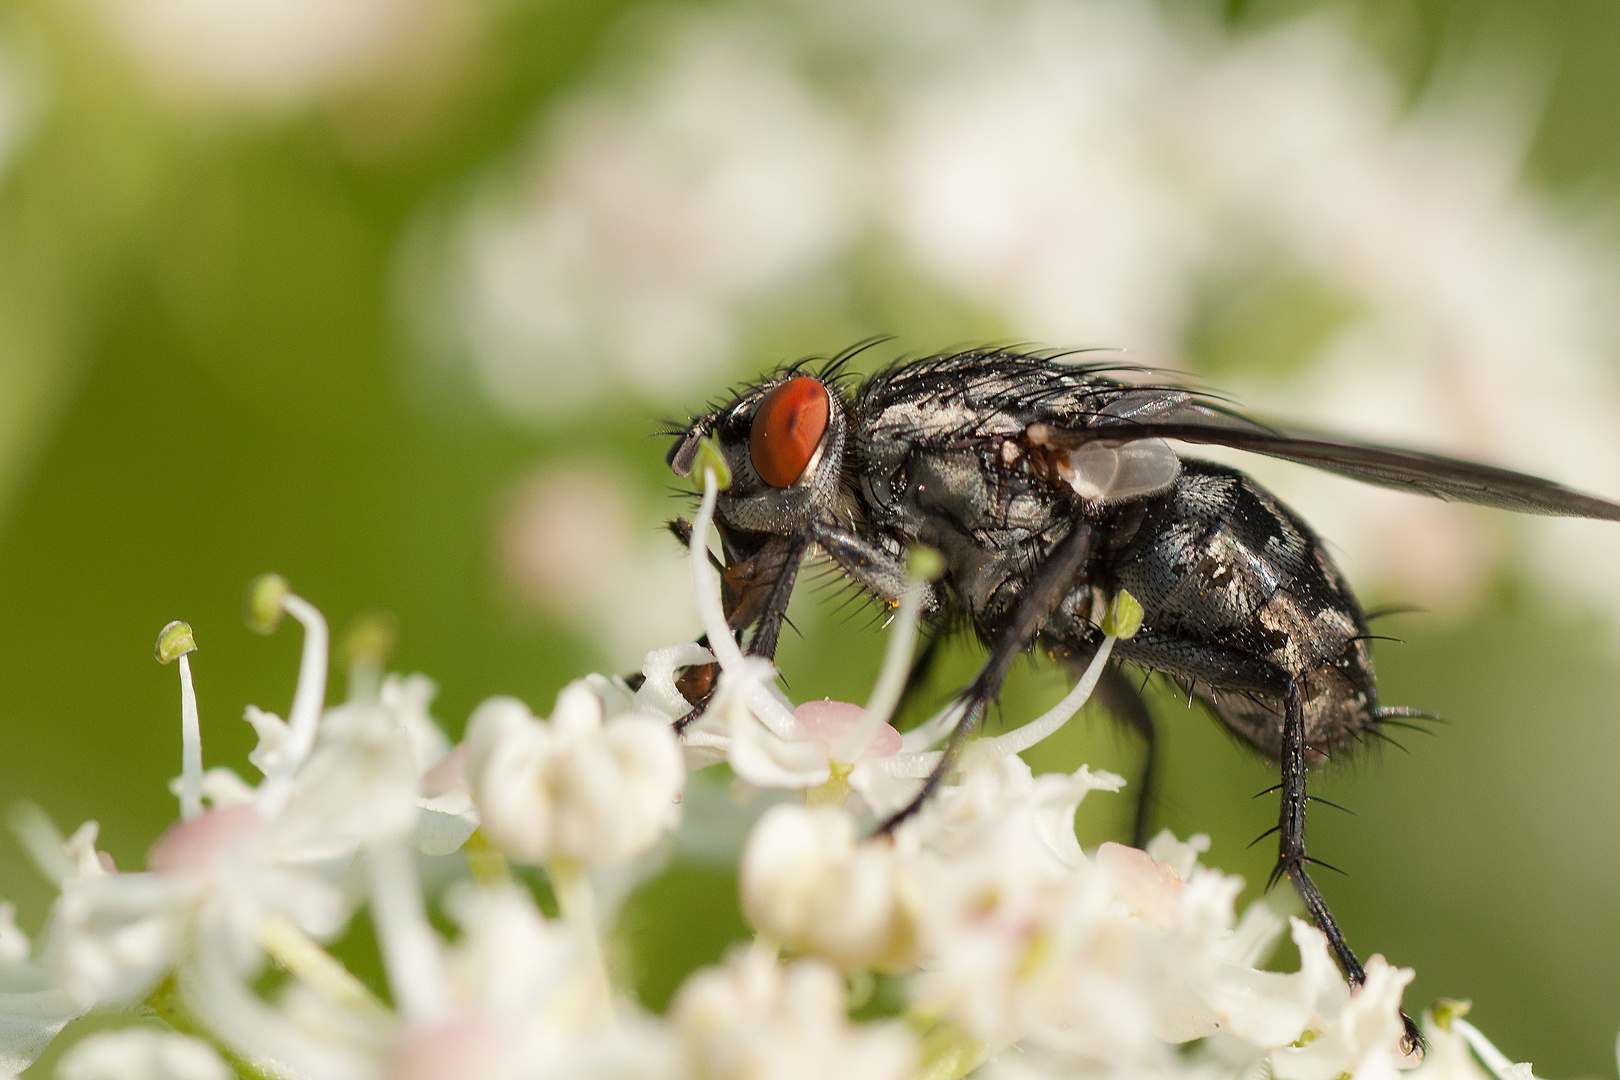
(576, 900)
(891, 681)
(410, 947)
(721, 643)
(1021, 739)
(1496, 1061)
(297, 953)
(169, 1004)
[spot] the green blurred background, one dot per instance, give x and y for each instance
(206, 372)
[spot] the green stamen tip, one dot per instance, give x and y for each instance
(1446, 1010)
(924, 563)
(371, 637)
(710, 456)
(174, 641)
(262, 609)
(1124, 616)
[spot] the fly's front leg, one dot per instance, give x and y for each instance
(870, 565)
(769, 630)
(754, 591)
(1291, 857)
(1057, 575)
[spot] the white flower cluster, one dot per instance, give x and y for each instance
(717, 177)
(1014, 951)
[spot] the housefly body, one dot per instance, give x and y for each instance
(1047, 485)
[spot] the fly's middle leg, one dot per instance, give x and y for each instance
(1057, 576)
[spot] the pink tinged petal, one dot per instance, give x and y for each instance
(449, 1051)
(194, 845)
(827, 720)
(1148, 888)
(449, 775)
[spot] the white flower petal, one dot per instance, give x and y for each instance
(444, 823)
(28, 1022)
(273, 732)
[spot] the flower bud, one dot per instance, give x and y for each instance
(575, 786)
(808, 883)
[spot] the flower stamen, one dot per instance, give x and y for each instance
(1500, 1065)
(175, 642)
(705, 582)
(268, 598)
(366, 646)
(1020, 739)
(923, 565)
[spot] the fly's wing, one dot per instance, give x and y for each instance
(1435, 475)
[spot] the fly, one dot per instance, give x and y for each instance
(1045, 484)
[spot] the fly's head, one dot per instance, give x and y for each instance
(784, 441)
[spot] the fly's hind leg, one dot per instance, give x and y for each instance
(1227, 670)
(1291, 856)
(1124, 703)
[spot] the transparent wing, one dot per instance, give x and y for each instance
(1387, 466)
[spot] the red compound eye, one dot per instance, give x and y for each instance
(787, 429)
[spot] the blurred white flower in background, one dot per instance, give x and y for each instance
(22, 93)
(620, 255)
(1261, 206)
(580, 785)
(568, 540)
(754, 1019)
(279, 55)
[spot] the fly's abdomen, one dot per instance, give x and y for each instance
(1239, 596)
